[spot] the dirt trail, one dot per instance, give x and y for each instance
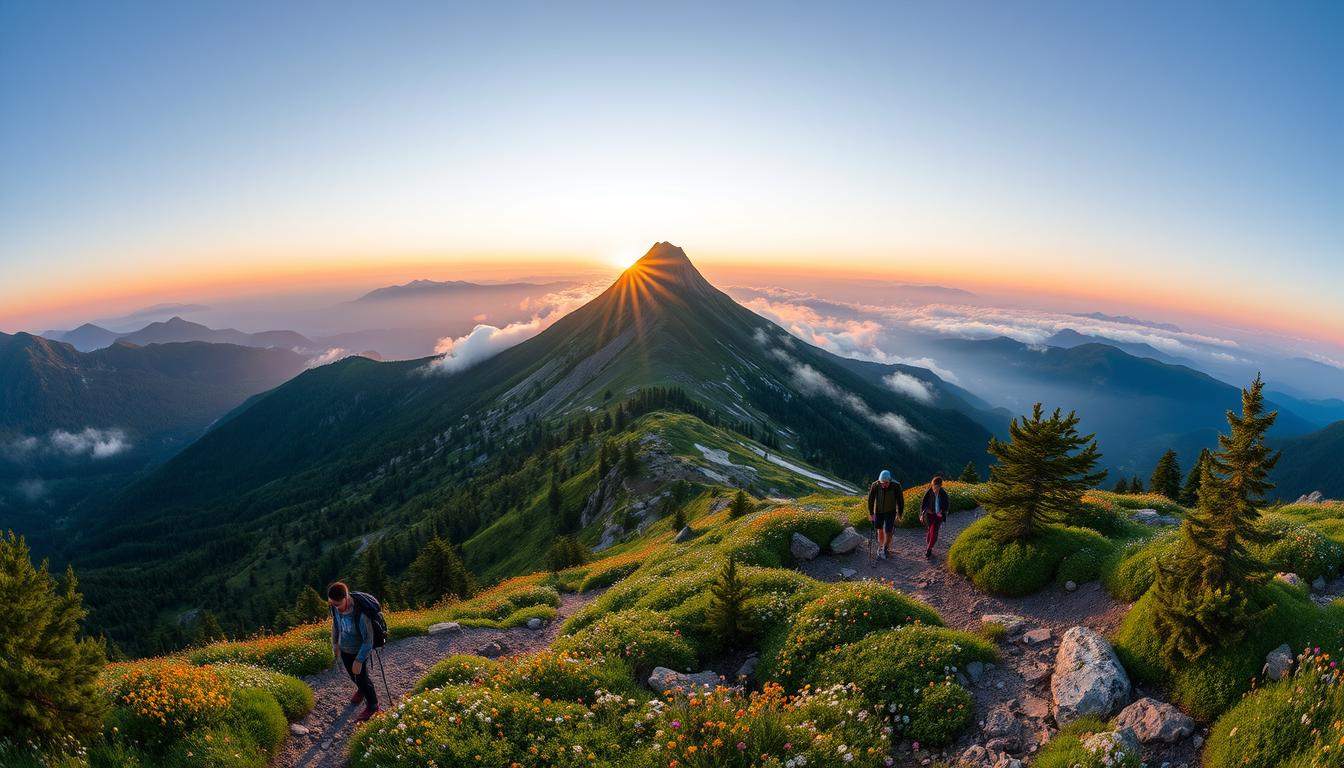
(1021, 679)
(332, 721)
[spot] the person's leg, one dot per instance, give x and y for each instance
(365, 684)
(348, 660)
(932, 534)
(890, 525)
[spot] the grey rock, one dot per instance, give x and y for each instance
(1034, 675)
(1012, 623)
(685, 534)
(803, 548)
(1279, 663)
(1002, 726)
(1070, 585)
(975, 670)
(748, 668)
(846, 541)
(326, 744)
(444, 626)
(1000, 745)
(1112, 746)
(1088, 679)
(298, 730)
(1318, 583)
(493, 650)
(1153, 517)
(847, 573)
(974, 755)
(1291, 579)
(1036, 636)
(1153, 720)
(534, 623)
(664, 679)
(1315, 497)
(1197, 741)
(1006, 761)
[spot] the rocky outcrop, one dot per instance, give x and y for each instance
(846, 541)
(1153, 721)
(664, 679)
(1315, 497)
(1088, 678)
(803, 548)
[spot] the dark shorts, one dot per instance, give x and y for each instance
(887, 521)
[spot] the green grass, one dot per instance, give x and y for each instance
(1066, 750)
(1207, 687)
(1298, 548)
(1020, 568)
(1129, 570)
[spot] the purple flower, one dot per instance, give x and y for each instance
(676, 723)
(741, 745)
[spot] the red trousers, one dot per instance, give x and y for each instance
(932, 530)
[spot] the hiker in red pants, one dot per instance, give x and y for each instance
(933, 511)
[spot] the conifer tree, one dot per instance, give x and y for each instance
(1041, 474)
(1166, 478)
(372, 577)
(629, 463)
(437, 572)
(564, 553)
(1190, 491)
(969, 474)
(49, 689)
(1207, 593)
(679, 518)
(1135, 485)
(1121, 486)
(726, 617)
(554, 498)
(309, 606)
(741, 505)
(208, 629)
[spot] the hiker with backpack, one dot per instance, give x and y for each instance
(355, 620)
(886, 505)
(933, 511)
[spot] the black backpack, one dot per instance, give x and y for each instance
(368, 604)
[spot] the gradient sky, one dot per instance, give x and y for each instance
(1179, 155)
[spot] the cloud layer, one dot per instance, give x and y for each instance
(485, 341)
(89, 442)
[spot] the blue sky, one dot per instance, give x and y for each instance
(1163, 152)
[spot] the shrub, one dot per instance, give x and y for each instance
(1299, 719)
(993, 631)
(1136, 501)
(941, 714)
(299, 652)
(295, 698)
(256, 715)
(764, 538)
(1129, 571)
(161, 701)
(604, 574)
(1109, 520)
(845, 613)
(897, 669)
(1022, 567)
(1066, 749)
(456, 670)
(641, 638)
(1296, 548)
(213, 747)
(560, 675)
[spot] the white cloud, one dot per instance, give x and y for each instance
(913, 388)
(811, 381)
(95, 443)
(330, 356)
(32, 489)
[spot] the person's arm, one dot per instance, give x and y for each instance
(335, 635)
(872, 500)
(900, 500)
(366, 632)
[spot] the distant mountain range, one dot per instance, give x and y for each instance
(453, 288)
(1311, 462)
(89, 337)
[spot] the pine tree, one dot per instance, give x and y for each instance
(1121, 486)
(741, 505)
(629, 463)
(1190, 491)
(49, 689)
(679, 518)
(564, 553)
(437, 572)
(969, 474)
(554, 498)
(208, 630)
(726, 617)
(309, 606)
(1135, 485)
(1039, 478)
(1207, 594)
(1166, 478)
(372, 577)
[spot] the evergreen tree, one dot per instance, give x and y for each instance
(741, 505)
(726, 616)
(565, 552)
(1207, 594)
(49, 689)
(1166, 478)
(1041, 474)
(1135, 485)
(437, 572)
(969, 474)
(679, 518)
(555, 498)
(604, 460)
(208, 630)
(372, 577)
(1190, 491)
(1121, 486)
(309, 606)
(629, 463)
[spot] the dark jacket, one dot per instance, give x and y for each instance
(926, 503)
(882, 501)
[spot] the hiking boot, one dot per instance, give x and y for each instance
(928, 553)
(357, 698)
(881, 555)
(366, 714)
(886, 554)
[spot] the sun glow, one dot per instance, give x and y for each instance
(624, 258)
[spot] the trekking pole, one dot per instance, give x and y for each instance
(383, 671)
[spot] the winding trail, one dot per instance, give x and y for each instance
(1021, 679)
(405, 661)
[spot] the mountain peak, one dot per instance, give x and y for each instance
(666, 268)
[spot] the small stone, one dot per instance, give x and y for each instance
(803, 548)
(1034, 675)
(1153, 720)
(1036, 636)
(1196, 741)
(1112, 746)
(974, 755)
(1002, 730)
(1011, 623)
(298, 730)
(684, 535)
(326, 744)
(1278, 663)
(847, 573)
(534, 623)
(492, 650)
(999, 685)
(444, 626)
(846, 541)
(1035, 707)
(975, 670)
(1291, 579)
(1318, 583)
(1070, 585)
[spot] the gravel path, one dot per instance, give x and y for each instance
(332, 721)
(1021, 679)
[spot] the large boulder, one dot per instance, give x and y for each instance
(1088, 679)
(804, 548)
(664, 679)
(1153, 720)
(1279, 663)
(846, 541)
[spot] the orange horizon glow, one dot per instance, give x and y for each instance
(215, 280)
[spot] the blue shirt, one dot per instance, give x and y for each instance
(354, 637)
